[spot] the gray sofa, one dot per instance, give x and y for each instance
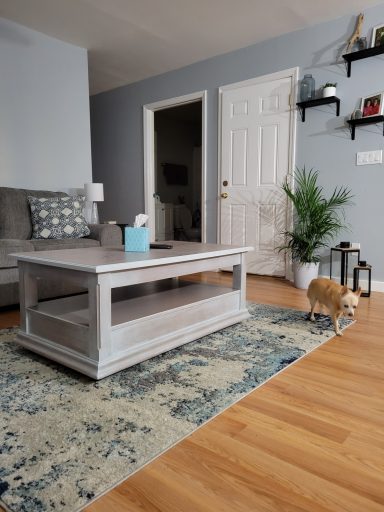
(15, 236)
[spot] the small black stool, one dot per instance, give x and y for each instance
(344, 253)
(356, 277)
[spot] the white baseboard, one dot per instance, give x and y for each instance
(376, 286)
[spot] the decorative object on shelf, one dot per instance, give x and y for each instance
(361, 267)
(372, 105)
(94, 192)
(316, 221)
(303, 105)
(329, 89)
(307, 88)
(362, 43)
(355, 47)
(364, 120)
(377, 36)
(357, 32)
(357, 114)
(344, 245)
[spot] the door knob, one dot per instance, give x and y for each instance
(224, 195)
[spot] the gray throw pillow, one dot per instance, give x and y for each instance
(58, 217)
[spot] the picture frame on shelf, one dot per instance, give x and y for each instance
(372, 105)
(377, 36)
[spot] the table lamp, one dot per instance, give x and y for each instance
(94, 192)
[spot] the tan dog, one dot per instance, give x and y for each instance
(339, 300)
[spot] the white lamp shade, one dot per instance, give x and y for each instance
(94, 191)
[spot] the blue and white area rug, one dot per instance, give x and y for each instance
(65, 439)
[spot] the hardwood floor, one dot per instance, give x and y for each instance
(311, 439)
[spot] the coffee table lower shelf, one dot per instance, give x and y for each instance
(143, 325)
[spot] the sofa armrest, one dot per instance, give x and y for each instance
(106, 234)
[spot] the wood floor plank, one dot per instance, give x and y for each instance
(309, 440)
(263, 462)
(276, 437)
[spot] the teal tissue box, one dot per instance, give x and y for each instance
(136, 239)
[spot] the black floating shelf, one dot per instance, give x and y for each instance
(361, 54)
(364, 120)
(302, 105)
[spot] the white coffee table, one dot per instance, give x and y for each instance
(134, 306)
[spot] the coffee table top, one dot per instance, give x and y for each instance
(108, 259)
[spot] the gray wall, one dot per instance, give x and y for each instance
(44, 111)
(323, 142)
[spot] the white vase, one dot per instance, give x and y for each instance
(329, 91)
(303, 273)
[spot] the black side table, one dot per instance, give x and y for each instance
(122, 227)
(344, 262)
(356, 277)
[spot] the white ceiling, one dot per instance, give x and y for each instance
(129, 40)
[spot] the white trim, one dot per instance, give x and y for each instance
(278, 75)
(293, 74)
(376, 286)
(149, 155)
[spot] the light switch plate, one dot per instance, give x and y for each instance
(369, 157)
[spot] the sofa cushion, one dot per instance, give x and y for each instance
(67, 243)
(15, 214)
(11, 246)
(58, 217)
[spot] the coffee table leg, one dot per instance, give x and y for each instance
(239, 279)
(99, 302)
(27, 291)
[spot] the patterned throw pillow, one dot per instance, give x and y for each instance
(58, 217)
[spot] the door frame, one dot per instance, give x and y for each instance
(149, 153)
(293, 74)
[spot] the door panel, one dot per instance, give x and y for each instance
(239, 157)
(255, 159)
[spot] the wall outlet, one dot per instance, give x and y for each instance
(369, 157)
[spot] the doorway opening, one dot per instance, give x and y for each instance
(174, 168)
(178, 135)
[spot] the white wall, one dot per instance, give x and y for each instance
(44, 111)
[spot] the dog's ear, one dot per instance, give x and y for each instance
(344, 290)
(358, 292)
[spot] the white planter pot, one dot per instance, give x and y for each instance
(303, 273)
(329, 91)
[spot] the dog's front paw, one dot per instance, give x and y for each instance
(339, 333)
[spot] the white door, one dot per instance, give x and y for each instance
(255, 159)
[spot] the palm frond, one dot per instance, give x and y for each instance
(316, 219)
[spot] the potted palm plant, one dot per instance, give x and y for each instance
(316, 222)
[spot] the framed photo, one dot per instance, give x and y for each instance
(372, 105)
(377, 36)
